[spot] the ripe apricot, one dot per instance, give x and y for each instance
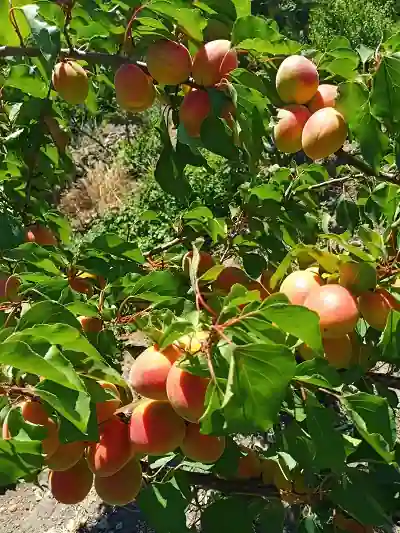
(186, 393)
(9, 287)
(71, 82)
(289, 128)
(149, 372)
(228, 277)
(81, 285)
(155, 428)
(134, 89)
(249, 465)
(324, 133)
(41, 235)
(168, 62)
(73, 485)
(324, 97)
(34, 412)
(202, 448)
(91, 324)
(213, 62)
(106, 409)
(340, 352)
(206, 262)
(296, 80)
(113, 450)
(375, 307)
(66, 456)
(122, 487)
(298, 285)
(336, 307)
(357, 277)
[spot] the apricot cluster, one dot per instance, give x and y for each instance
(310, 122)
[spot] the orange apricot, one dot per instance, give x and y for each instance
(206, 262)
(9, 287)
(107, 408)
(289, 128)
(375, 307)
(336, 307)
(357, 277)
(66, 456)
(202, 448)
(122, 487)
(73, 485)
(71, 82)
(41, 235)
(296, 80)
(91, 324)
(338, 351)
(324, 97)
(81, 285)
(169, 62)
(229, 276)
(324, 133)
(213, 62)
(298, 285)
(155, 428)
(249, 466)
(134, 89)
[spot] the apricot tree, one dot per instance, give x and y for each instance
(273, 333)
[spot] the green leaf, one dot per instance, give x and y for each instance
(173, 332)
(374, 421)
(243, 7)
(257, 384)
(190, 19)
(272, 517)
(216, 139)
(171, 178)
(8, 35)
(318, 372)
(11, 234)
(327, 439)
(47, 312)
(390, 341)
(27, 79)
(47, 37)
(116, 246)
(234, 513)
(385, 97)
(19, 459)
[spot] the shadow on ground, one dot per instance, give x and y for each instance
(110, 519)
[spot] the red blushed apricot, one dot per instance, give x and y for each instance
(121, 488)
(81, 285)
(186, 393)
(249, 465)
(256, 286)
(228, 277)
(168, 62)
(106, 409)
(289, 128)
(113, 450)
(297, 80)
(133, 88)
(41, 235)
(205, 262)
(202, 448)
(336, 307)
(375, 307)
(149, 372)
(213, 62)
(324, 97)
(339, 351)
(155, 428)
(298, 285)
(73, 485)
(324, 133)
(91, 324)
(71, 82)
(66, 456)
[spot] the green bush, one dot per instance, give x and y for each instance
(361, 21)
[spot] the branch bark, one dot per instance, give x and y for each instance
(344, 158)
(393, 382)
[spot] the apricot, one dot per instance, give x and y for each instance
(106, 409)
(336, 307)
(186, 393)
(9, 287)
(81, 285)
(66, 456)
(168, 62)
(73, 485)
(272, 475)
(340, 352)
(213, 62)
(298, 285)
(149, 372)
(249, 465)
(155, 428)
(34, 412)
(59, 136)
(228, 277)
(256, 286)
(121, 488)
(289, 128)
(192, 343)
(202, 448)
(113, 450)
(134, 89)
(357, 277)
(71, 82)
(206, 262)
(324, 133)
(41, 235)
(297, 80)
(375, 307)
(324, 97)
(91, 324)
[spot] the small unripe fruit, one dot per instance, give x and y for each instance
(41, 235)
(336, 307)
(71, 82)
(121, 488)
(134, 89)
(168, 62)
(202, 448)
(296, 80)
(289, 128)
(324, 133)
(297, 285)
(357, 277)
(213, 62)
(324, 97)
(73, 485)
(91, 324)
(375, 307)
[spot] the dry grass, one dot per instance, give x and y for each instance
(103, 188)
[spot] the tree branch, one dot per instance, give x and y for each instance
(344, 158)
(393, 382)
